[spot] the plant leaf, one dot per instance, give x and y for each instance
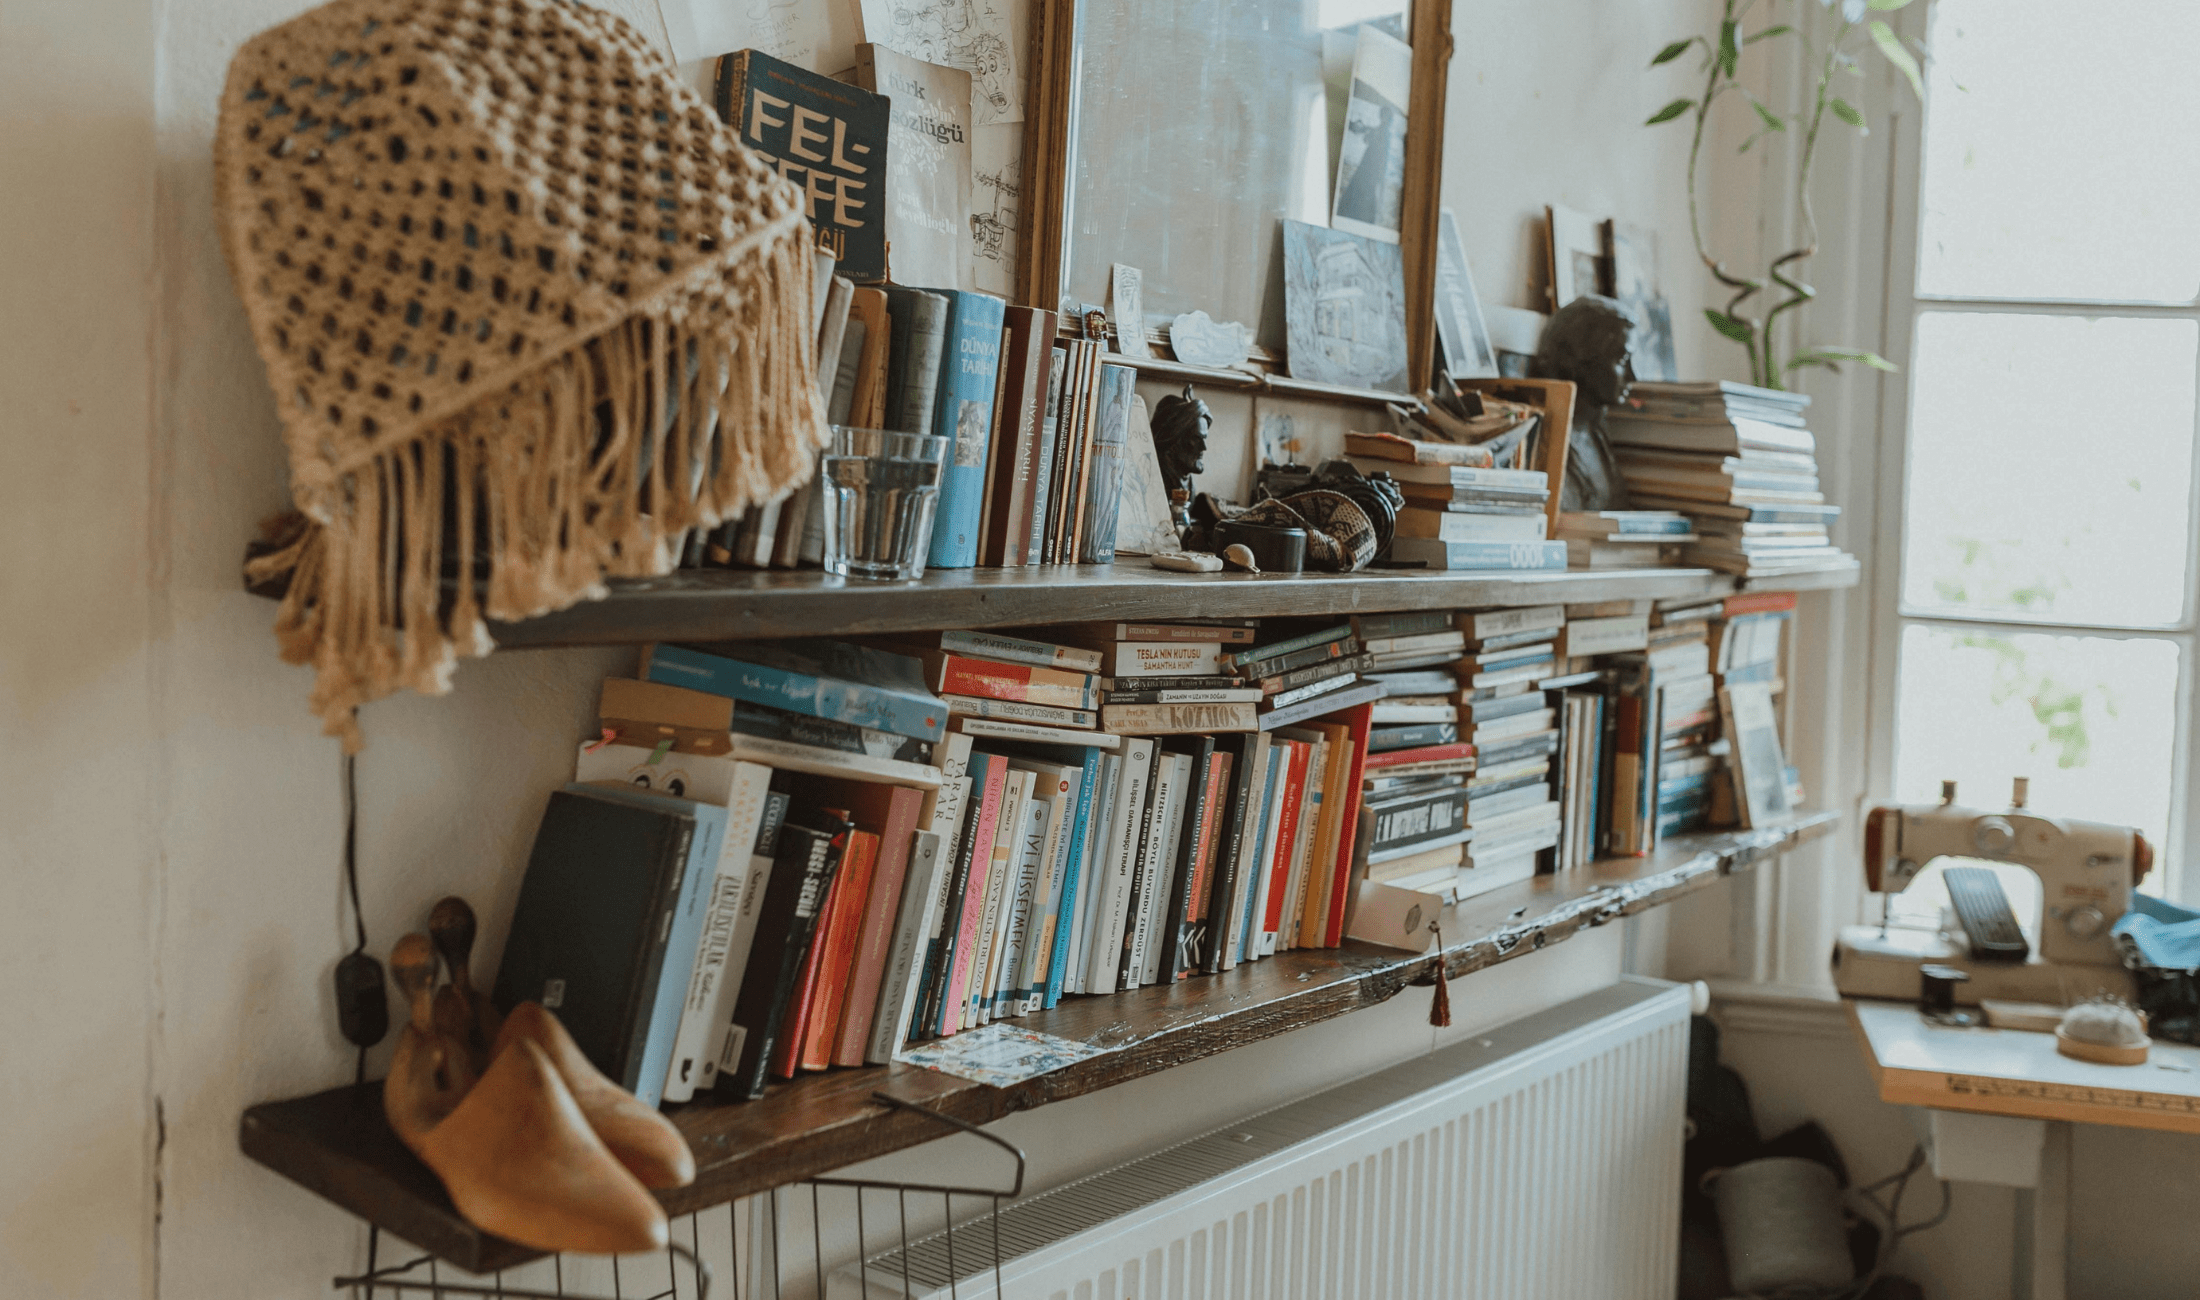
(1737, 330)
(1891, 45)
(1670, 111)
(1730, 53)
(1846, 111)
(1831, 358)
(1771, 119)
(1780, 29)
(1885, 5)
(1672, 52)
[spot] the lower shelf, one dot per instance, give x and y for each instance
(337, 1144)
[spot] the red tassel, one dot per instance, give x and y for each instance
(1439, 1008)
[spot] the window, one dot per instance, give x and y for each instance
(2047, 519)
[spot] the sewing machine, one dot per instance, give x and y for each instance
(2087, 871)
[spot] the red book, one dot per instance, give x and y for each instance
(794, 1029)
(1359, 718)
(843, 926)
(1425, 754)
(1287, 838)
(1759, 602)
(953, 674)
(1210, 837)
(893, 809)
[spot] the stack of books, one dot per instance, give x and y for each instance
(1738, 460)
(1303, 670)
(1459, 512)
(1625, 539)
(1506, 714)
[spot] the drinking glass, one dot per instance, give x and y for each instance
(880, 490)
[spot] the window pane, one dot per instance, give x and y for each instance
(2057, 157)
(2050, 467)
(2092, 722)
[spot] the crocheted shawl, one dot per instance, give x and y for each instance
(530, 312)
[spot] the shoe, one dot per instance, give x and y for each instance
(642, 1139)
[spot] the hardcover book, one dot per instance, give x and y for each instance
(828, 137)
(970, 364)
(824, 679)
(802, 875)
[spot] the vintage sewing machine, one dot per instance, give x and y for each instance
(2087, 871)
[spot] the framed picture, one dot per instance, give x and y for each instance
(1239, 126)
(1576, 249)
(1460, 328)
(1632, 253)
(1344, 297)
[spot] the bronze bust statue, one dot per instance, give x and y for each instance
(1180, 445)
(1586, 342)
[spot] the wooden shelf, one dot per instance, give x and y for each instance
(337, 1144)
(741, 604)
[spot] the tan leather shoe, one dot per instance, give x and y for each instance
(643, 1140)
(520, 1160)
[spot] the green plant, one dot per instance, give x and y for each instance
(1851, 29)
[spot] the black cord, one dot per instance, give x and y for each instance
(351, 880)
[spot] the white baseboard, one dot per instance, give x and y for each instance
(1797, 1011)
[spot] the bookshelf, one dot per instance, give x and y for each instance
(337, 1144)
(739, 604)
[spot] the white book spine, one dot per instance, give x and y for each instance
(1152, 871)
(1006, 827)
(707, 1015)
(1008, 987)
(1079, 910)
(1310, 818)
(1503, 622)
(1104, 949)
(1047, 898)
(921, 905)
(1148, 966)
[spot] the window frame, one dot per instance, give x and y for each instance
(1904, 306)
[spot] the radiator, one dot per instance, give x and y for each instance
(1540, 1159)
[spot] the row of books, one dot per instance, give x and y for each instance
(1739, 462)
(785, 857)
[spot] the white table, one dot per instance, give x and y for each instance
(2000, 1103)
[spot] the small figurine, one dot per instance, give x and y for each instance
(1586, 342)
(1180, 426)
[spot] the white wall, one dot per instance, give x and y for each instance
(170, 812)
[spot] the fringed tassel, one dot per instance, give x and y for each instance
(596, 466)
(1439, 1007)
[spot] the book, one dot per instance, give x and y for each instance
(1193, 695)
(825, 679)
(1434, 554)
(1388, 448)
(1311, 663)
(1111, 895)
(889, 814)
(1483, 626)
(1339, 748)
(828, 137)
(969, 371)
(1003, 990)
(1182, 937)
(1661, 524)
(802, 874)
(1041, 715)
(1040, 510)
(1357, 694)
(1162, 821)
(927, 182)
(752, 823)
(1759, 766)
(1015, 475)
(1585, 637)
(1248, 755)
(609, 920)
(1003, 729)
(917, 342)
(958, 674)
(867, 404)
(1016, 650)
(1263, 655)
(1059, 785)
(1411, 736)
(903, 967)
(1177, 719)
(1455, 477)
(1104, 477)
(1078, 959)
(990, 788)
(1456, 526)
(841, 942)
(1078, 854)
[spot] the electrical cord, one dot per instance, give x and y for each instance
(351, 880)
(1890, 1215)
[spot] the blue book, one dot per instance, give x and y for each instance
(970, 368)
(1515, 556)
(609, 918)
(1264, 850)
(1110, 447)
(1072, 874)
(847, 683)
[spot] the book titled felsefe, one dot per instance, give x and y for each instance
(608, 923)
(826, 136)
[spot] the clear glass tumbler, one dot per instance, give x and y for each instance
(880, 490)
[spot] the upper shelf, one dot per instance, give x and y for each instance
(336, 1143)
(742, 604)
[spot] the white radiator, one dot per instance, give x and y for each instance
(1538, 1160)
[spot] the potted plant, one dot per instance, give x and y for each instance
(1850, 31)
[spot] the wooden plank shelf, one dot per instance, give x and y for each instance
(337, 1144)
(742, 604)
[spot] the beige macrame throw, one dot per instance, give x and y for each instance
(529, 309)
